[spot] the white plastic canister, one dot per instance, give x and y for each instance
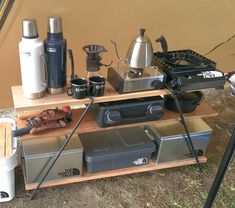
(7, 169)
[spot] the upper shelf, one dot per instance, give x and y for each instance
(48, 101)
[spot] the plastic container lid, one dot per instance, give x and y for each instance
(116, 143)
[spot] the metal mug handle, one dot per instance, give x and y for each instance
(70, 91)
(43, 57)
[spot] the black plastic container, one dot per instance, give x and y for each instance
(119, 148)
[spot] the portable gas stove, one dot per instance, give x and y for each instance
(125, 79)
(187, 70)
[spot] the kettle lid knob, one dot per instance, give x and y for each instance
(142, 30)
(142, 38)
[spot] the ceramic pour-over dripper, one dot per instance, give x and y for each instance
(93, 57)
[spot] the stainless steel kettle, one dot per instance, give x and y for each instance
(140, 52)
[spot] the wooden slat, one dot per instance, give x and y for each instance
(5, 139)
(23, 104)
(8, 127)
(2, 139)
(124, 171)
(90, 125)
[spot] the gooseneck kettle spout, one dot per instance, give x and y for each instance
(116, 50)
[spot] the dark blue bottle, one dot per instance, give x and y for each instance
(55, 48)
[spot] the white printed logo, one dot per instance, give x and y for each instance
(210, 74)
(140, 161)
(53, 50)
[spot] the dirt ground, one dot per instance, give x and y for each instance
(183, 187)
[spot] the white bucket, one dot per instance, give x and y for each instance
(7, 169)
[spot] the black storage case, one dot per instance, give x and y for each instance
(128, 111)
(117, 148)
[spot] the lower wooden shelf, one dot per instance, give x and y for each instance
(124, 171)
(89, 124)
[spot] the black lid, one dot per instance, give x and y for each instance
(115, 143)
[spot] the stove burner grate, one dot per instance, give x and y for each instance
(183, 61)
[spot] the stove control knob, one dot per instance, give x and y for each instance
(157, 84)
(113, 117)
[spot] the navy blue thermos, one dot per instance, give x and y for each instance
(55, 49)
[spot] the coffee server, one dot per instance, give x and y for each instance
(32, 62)
(55, 48)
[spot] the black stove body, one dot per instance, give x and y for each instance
(187, 70)
(128, 111)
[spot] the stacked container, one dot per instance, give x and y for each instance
(170, 139)
(8, 159)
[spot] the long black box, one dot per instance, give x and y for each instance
(128, 111)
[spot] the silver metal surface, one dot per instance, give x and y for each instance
(54, 25)
(140, 52)
(143, 82)
(151, 71)
(36, 95)
(55, 91)
(232, 85)
(29, 28)
(37, 155)
(170, 138)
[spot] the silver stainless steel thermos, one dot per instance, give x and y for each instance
(32, 62)
(55, 48)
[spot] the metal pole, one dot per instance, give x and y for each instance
(62, 148)
(221, 171)
(188, 138)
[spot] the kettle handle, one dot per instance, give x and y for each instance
(163, 43)
(106, 65)
(119, 57)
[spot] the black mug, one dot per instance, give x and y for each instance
(78, 89)
(96, 86)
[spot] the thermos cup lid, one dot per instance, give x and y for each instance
(54, 25)
(30, 29)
